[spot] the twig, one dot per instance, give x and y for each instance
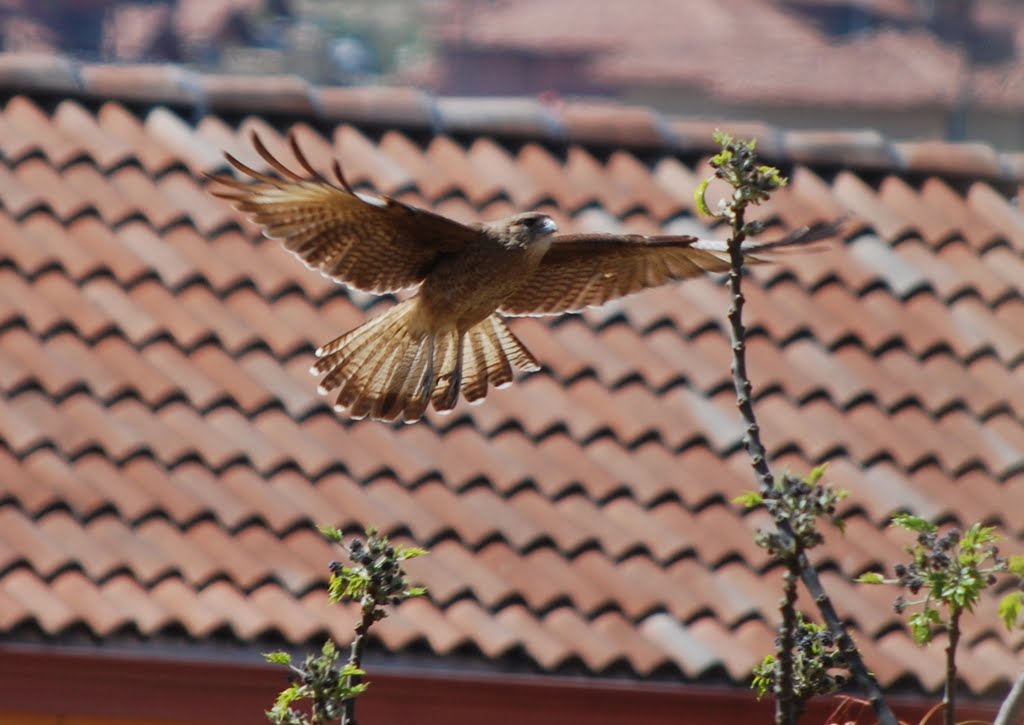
(356, 658)
(756, 450)
(376, 580)
(789, 705)
(949, 716)
(1011, 712)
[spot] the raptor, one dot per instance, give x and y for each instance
(450, 338)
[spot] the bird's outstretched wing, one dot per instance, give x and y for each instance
(375, 244)
(587, 270)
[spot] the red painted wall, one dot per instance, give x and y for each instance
(40, 687)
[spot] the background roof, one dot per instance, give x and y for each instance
(166, 457)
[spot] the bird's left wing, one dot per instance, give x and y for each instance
(375, 244)
(587, 270)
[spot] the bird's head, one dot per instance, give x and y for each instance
(528, 228)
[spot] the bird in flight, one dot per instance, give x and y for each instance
(450, 337)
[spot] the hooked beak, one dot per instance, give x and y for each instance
(549, 226)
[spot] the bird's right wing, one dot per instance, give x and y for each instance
(587, 270)
(375, 244)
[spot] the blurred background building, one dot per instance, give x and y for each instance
(909, 68)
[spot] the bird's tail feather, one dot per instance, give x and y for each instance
(368, 364)
(489, 350)
(394, 366)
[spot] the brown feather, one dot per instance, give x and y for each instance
(582, 271)
(376, 246)
(587, 270)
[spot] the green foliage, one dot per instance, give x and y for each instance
(914, 523)
(323, 681)
(700, 195)
(798, 503)
(871, 577)
(947, 574)
(817, 474)
(736, 164)
(749, 499)
(818, 665)
(764, 676)
(922, 623)
(375, 580)
(1010, 609)
(333, 534)
(376, 577)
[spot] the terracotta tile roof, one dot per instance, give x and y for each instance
(166, 457)
(603, 125)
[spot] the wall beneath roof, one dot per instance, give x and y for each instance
(55, 687)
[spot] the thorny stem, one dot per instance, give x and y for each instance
(740, 378)
(355, 659)
(758, 458)
(949, 716)
(785, 711)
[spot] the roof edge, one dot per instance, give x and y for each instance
(546, 119)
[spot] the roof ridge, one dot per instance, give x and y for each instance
(549, 119)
